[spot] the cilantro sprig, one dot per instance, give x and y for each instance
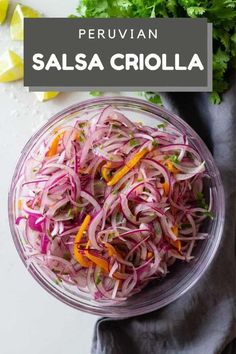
(222, 13)
(98, 278)
(201, 203)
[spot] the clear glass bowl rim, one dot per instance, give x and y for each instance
(113, 311)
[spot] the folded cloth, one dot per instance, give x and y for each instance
(204, 319)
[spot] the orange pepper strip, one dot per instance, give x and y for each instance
(136, 158)
(120, 276)
(177, 243)
(172, 168)
(78, 256)
(105, 170)
(111, 250)
(20, 204)
(149, 255)
(108, 164)
(166, 187)
(56, 130)
(54, 146)
(102, 263)
(129, 165)
(118, 175)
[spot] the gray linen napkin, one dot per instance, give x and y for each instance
(204, 319)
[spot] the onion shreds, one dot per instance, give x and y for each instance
(107, 205)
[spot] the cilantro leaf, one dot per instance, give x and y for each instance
(153, 97)
(233, 37)
(195, 11)
(57, 281)
(110, 236)
(209, 214)
(96, 93)
(98, 278)
(162, 125)
(154, 143)
(70, 213)
(214, 98)
(174, 158)
(172, 7)
(133, 142)
(201, 202)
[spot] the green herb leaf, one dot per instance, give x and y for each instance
(153, 97)
(110, 236)
(222, 13)
(157, 228)
(72, 16)
(209, 214)
(201, 202)
(98, 277)
(195, 11)
(172, 6)
(154, 143)
(162, 126)
(66, 256)
(214, 98)
(233, 37)
(133, 142)
(70, 213)
(174, 158)
(96, 93)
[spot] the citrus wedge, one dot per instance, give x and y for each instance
(3, 10)
(17, 21)
(11, 67)
(46, 96)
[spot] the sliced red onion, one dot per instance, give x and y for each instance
(186, 147)
(93, 229)
(44, 244)
(91, 200)
(159, 167)
(136, 216)
(19, 219)
(107, 204)
(191, 170)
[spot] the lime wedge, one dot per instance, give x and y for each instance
(46, 96)
(3, 10)
(17, 21)
(11, 67)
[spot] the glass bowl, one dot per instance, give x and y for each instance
(182, 275)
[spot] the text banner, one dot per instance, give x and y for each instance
(114, 54)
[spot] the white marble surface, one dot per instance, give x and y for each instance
(31, 320)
